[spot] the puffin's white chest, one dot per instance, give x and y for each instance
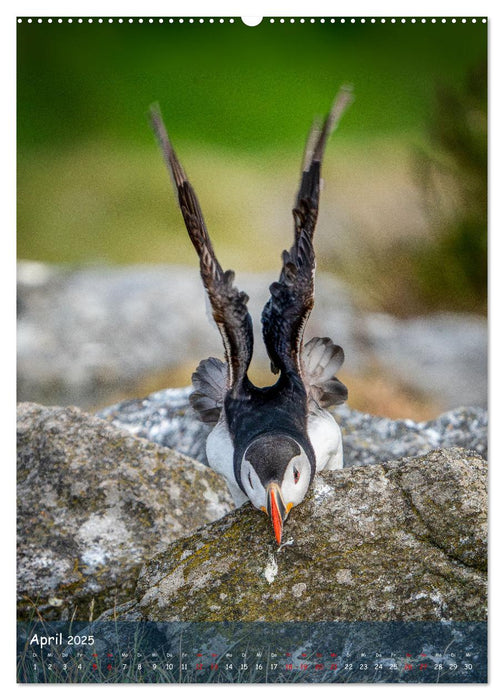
(220, 452)
(325, 436)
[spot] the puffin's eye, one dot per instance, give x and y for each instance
(296, 475)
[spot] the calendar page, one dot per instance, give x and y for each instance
(252, 517)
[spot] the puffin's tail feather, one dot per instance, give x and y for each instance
(321, 360)
(210, 385)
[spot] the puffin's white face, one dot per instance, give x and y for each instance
(275, 474)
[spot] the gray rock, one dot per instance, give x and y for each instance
(404, 540)
(167, 418)
(442, 355)
(86, 335)
(93, 504)
(370, 439)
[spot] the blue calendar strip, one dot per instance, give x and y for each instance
(225, 652)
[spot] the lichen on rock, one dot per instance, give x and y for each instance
(116, 526)
(93, 504)
(401, 540)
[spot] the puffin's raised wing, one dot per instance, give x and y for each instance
(286, 313)
(229, 305)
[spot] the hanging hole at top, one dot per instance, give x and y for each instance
(251, 21)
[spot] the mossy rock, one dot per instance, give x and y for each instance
(93, 504)
(405, 540)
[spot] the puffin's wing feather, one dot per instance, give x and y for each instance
(210, 386)
(286, 313)
(321, 360)
(229, 305)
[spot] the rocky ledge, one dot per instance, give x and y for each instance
(94, 503)
(113, 525)
(395, 541)
(166, 417)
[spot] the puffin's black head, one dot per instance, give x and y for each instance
(275, 474)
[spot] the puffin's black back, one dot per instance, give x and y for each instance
(277, 410)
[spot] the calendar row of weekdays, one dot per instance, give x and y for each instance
(252, 652)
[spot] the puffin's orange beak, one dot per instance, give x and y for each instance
(276, 509)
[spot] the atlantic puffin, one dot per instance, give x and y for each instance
(267, 442)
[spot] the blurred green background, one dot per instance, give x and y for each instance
(403, 211)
